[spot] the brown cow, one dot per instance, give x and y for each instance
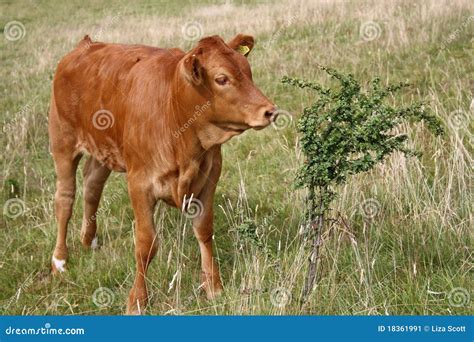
(161, 116)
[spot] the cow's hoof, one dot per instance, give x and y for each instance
(90, 243)
(137, 301)
(133, 309)
(214, 294)
(133, 312)
(213, 291)
(94, 243)
(58, 265)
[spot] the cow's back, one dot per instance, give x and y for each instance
(98, 87)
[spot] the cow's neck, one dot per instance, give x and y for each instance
(194, 164)
(211, 135)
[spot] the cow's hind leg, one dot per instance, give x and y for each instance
(95, 176)
(66, 166)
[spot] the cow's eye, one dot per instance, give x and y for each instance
(222, 80)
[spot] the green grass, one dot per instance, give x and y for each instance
(406, 260)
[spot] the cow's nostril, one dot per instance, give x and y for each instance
(269, 113)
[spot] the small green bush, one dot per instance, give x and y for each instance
(348, 130)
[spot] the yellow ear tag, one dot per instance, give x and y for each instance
(243, 49)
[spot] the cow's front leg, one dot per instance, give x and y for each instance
(143, 203)
(203, 230)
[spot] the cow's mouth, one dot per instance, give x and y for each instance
(258, 125)
(234, 130)
(233, 127)
(238, 128)
(261, 125)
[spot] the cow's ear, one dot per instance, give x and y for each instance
(193, 68)
(242, 43)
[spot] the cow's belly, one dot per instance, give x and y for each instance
(165, 189)
(107, 152)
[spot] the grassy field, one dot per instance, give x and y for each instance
(406, 247)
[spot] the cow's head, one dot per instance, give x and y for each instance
(219, 74)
